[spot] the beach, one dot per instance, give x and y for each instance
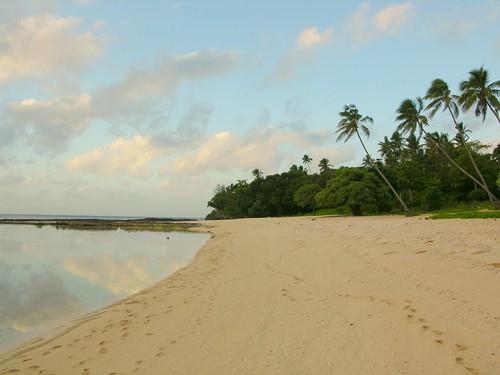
(305, 295)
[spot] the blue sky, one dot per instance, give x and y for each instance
(142, 108)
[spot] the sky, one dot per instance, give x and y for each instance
(139, 108)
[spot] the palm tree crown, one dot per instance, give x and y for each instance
(478, 92)
(462, 136)
(257, 173)
(410, 117)
(324, 165)
(350, 123)
(439, 95)
(306, 160)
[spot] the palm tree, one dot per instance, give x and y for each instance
(306, 160)
(365, 163)
(412, 148)
(324, 165)
(478, 92)
(385, 148)
(440, 96)
(411, 119)
(462, 136)
(257, 173)
(350, 123)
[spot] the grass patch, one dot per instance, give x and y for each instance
(476, 210)
(468, 215)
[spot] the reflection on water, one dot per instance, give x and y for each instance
(48, 276)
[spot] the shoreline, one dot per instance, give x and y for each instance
(251, 286)
(66, 327)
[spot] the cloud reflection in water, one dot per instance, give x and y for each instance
(49, 276)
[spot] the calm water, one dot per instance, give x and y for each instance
(50, 276)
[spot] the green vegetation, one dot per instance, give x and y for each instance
(418, 169)
(468, 215)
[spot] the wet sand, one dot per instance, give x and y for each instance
(374, 295)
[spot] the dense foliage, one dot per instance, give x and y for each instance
(418, 169)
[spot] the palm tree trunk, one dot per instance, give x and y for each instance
(438, 146)
(491, 196)
(405, 207)
(494, 112)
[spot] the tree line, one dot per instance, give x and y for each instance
(418, 168)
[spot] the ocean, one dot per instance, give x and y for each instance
(49, 276)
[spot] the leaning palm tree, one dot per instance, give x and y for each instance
(411, 119)
(479, 92)
(439, 96)
(350, 123)
(306, 160)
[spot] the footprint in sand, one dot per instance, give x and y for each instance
(472, 370)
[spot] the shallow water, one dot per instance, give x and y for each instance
(50, 276)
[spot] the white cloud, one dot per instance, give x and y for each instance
(84, 2)
(312, 37)
(391, 18)
(303, 53)
(11, 10)
(131, 156)
(49, 123)
(268, 149)
(365, 25)
(46, 45)
(464, 19)
(141, 88)
(10, 178)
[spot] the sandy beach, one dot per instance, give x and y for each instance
(368, 295)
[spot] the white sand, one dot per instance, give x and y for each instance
(374, 295)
